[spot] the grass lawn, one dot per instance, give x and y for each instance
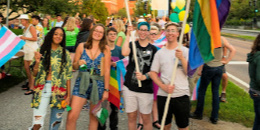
(251, 38)
(13, 80)
(238, 108)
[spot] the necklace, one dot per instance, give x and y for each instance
(93, 60)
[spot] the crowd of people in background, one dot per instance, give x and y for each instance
(57, 47)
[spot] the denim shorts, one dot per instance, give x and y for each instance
(100, 85)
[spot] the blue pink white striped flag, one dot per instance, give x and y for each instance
(10, 44)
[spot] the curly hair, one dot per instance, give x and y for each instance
(103, 41)
(46, 49)
(256, 45)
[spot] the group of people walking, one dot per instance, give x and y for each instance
(58, 48)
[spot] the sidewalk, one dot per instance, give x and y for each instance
(16, 114)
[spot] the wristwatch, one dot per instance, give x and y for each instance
(106, 90)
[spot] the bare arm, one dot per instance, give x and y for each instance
(232, 50)
(34, 35)
(119, 41)
(164, 87)
(68, 92)
(107, 63)
(126, 49)
(77, 62)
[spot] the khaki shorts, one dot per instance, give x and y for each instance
(28, 56)
(137, 101)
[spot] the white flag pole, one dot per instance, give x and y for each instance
(175, 65)
(133, 41)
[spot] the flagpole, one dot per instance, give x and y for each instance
(133, 42)
(175, 65)
(7, 12)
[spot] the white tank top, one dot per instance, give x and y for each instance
(30, 46)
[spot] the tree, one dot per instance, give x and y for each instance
(54, 7)
(95, 8)
(122, 13)
(39, 6)
(139, 8)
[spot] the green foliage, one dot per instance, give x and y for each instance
(243, 37)
(139, 8)
(17, 31)
(122, 12)
(13, 80)
(238, 108)
(95, 8)
(36, 6)
(54, 7)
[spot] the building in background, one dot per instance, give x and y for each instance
(113, 6)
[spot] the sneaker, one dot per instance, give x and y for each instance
(86, 106)
(223, 97)
(195, 116)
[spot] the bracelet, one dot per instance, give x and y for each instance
(147, 76)
(106, 89)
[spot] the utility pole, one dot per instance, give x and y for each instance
(255, 11)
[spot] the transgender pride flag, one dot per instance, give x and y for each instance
(10, 44)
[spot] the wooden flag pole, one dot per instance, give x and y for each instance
(175, 64)
(133, 42)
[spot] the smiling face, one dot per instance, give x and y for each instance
(172, 33)
(57, 36)
(98, 33)
(143, 32)
(153, 34)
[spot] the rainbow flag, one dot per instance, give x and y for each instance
(10, 44)
(208, 18)
(114, 96)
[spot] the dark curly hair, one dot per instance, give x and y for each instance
(256, 45)
(46, 49)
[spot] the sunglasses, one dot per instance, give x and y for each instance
(153, 33)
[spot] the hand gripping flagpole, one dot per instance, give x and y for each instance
(175, 64)
(133, 43)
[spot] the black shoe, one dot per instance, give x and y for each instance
(214, 121)
(195, 116)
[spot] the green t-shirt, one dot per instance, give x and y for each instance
(45, 31)
(121, 34)
(71, 36)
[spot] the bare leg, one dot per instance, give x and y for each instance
(73, 115)
(93, 122)
(147, 121)
(132, 120)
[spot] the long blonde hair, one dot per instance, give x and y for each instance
(119, 25)
(71, 24)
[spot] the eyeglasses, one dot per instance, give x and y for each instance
(100, 32)
(171, 31)
(111, 34)
(143, 30)
(153, 33)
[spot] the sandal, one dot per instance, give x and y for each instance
(29, 92)
(155, 125)
(140, 125)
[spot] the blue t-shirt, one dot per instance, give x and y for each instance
(116, 54)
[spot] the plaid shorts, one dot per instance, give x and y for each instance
(100, 85)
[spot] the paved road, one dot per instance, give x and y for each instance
(16, 114)
(238, 66)
(241, 32)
